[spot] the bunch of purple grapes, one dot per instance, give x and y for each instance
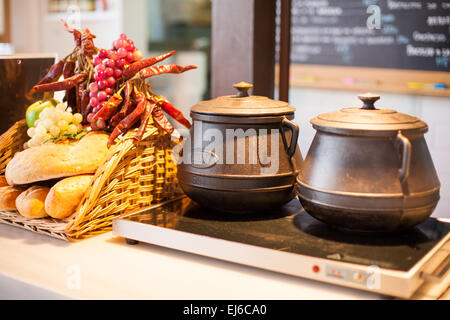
(109, 66)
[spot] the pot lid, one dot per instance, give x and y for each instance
(243, 105)
(367, 118)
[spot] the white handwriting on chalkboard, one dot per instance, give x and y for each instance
(374, 20)
(444, 52)
(431, 5)
(429, 37)
(412, 51)
(404, 5)
(329, 11)
(311, 3)
(438, 21)
(380, 41)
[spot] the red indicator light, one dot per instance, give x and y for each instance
(316, 269)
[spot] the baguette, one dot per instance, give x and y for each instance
(52, 161)
(65, 196)
(31, 203)
(8, 196)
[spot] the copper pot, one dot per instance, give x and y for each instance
(235, 175)
(369, 169)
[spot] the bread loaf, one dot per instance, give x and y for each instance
(31, 203)
(3, 182)
(8, 196)
(51, 161)
(66, 195)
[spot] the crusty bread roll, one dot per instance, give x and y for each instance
(66, 195)
(31, 202)
(51, 161)
(8, 196)
(3, 182)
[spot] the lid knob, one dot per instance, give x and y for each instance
(369, 100)
(243, 88)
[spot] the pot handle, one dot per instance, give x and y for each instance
(287, 124)
(406, 156)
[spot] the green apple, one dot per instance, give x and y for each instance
(36, 108)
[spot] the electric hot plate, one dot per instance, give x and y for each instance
(288, 240)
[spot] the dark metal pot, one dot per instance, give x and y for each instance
(369, 169)
(235, 175)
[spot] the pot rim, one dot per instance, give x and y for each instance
(365, 209)
(240, 119)
(362, 130)
(301, 184)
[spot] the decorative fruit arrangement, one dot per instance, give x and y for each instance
(109, 66)
(106, 90)
(54, 123)
(36, 108)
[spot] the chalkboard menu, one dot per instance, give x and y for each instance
(410, 35)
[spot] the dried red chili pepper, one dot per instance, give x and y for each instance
(80, 94)
(115, 120)
(173, 112)
(71, 94)
(110, 108)
(129, 120)
(53, 74)
(69, 69)
(161, 121)
(167, 68)
(61, 85)
(128, 91)
(87, 44)
(84, 102)
(144, 121)
(72, 98)
(75, 32)
(127, 106)
(134, 68)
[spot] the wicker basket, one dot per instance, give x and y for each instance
(133, 176)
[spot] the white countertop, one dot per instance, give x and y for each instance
(34, 266)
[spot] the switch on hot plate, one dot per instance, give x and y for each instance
(346, 274)
(357, 277)
(335, 272)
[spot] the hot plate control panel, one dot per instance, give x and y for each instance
(369, 278)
